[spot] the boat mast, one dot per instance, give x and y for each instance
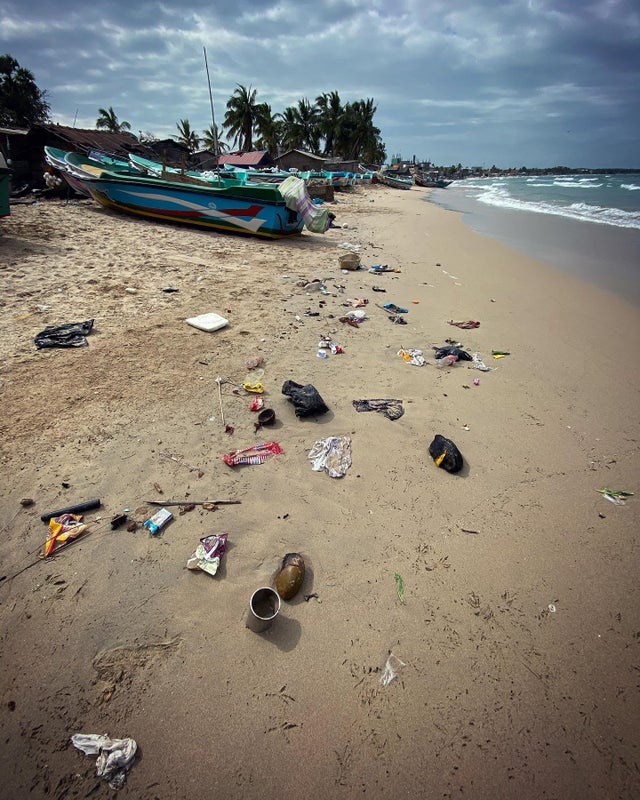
(213, 118)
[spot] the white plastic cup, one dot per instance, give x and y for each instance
(263, 609)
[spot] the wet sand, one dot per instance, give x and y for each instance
(604, 255)
(519, 626)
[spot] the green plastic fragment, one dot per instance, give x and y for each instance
(399, 586)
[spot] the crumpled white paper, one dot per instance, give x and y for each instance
(332, 454)
(115, 756)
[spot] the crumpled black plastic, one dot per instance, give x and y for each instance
(70, 334)
(446, 454)
(306, 399)
(392, 409)
(449, 350)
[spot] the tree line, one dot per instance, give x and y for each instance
(326, 126)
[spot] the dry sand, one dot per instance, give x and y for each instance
(499, 696)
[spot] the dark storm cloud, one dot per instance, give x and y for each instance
(477, 81)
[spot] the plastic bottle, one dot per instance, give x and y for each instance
(446, 361)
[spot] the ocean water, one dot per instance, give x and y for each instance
(588, 225)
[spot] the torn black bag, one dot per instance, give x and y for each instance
(306, 399)
(70, 334)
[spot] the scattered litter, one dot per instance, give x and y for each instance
(412, 356)
(552, 608)
(395, 309)
(354, 248)
(378, 268)
(472, 323)
(71, 334)
(115, 756)
(207, 322)
(253, 381)
(500, 353)
(266, 417)
(208, 553)
(306, 399)
(400, 586)
(391, 669)
(87, 505)
(118, 521)
(27, 501)
(332, 454)
(617, 497)
(291, 576)
(397, 319)
(478, 363)
(377, 288)
(446, 454)
(349, 261)
(257, 454)
(446, 361)
(311, 286)
(392, 409)
(155, 523)
(61, 530)
(255, 362)
(476, 381)
(452, 350)
(170, 289)
(257, 404)
(356, 302)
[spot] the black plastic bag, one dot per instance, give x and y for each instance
(441, 352)
(445, 453)
(306, 399)
(71, 334)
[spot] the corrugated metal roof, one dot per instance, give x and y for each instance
(240, 159)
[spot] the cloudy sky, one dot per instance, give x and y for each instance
(481, 82)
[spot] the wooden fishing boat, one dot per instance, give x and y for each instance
(255, 209)
(395, 181)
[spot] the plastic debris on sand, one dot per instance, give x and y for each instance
(208, 553)
(332, 454)
(391, 669)
(115, 756)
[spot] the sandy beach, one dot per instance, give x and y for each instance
(518, 632)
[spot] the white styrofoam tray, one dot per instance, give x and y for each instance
(208, 322)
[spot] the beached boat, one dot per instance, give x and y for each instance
(5, 187)
(395, 181)
(429, 182)
(256, 209)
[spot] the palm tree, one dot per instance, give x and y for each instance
(307, 116)
(210, 139)
(241, 115)
(290, 133)
(189, 138)
(108, 119)
(268, 129)
(357, 136)
(330, 113)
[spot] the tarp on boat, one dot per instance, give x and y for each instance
(316, 218)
